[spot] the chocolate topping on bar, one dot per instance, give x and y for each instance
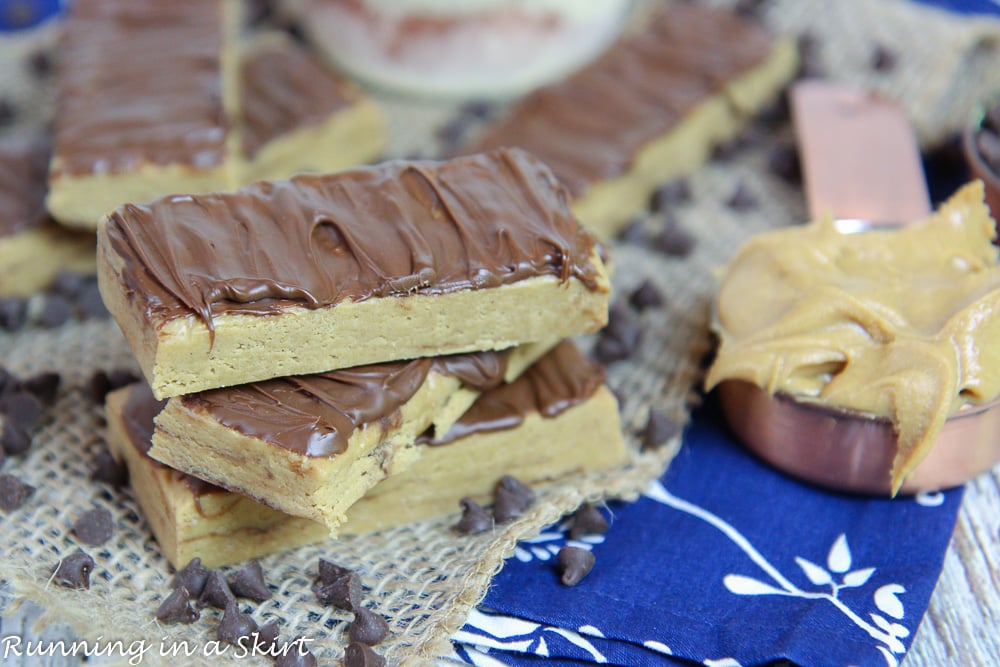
(590, 126)
(139, 82)
(285, 88)
(556, 382)
(23, 170)
(396, 229)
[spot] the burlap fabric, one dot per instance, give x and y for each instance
(422, 577)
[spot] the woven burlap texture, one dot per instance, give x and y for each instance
(423, 578)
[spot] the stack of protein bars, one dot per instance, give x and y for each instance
(319, 342)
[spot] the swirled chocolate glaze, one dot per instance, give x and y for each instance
(395, 229)
(284, 88)
(138, 414)
(22, 185)
(553, 384)
(315, 415)
(590, 126)
(140, 82)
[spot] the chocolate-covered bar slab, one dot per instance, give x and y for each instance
(147, 101)
(312, 445)
(554, 421)
(649, 109)
(396, 261)
(298, 115)
(33, 248)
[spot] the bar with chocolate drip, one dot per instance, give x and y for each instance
(648, 109)
(396, 261)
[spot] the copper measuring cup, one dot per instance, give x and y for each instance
(860, 162)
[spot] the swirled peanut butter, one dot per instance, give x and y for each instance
(901, 324)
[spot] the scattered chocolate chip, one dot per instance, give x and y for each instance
(248, 582)
(726, 150)
(474, 518)
(89, 303)
(8, 382)
(40, 64)
(267, 636)
(452, 133)
(659, 429)
(344, 592)
(56, 311)
(810, 65)
(673, 240)
(671, 193)
(646, 295)
(44, 386)
(775, 115)
(68, 284)
(750, 8)
(368, 627)
(235, 625)
(102, 382)
(361, 655)
(620, 338)
(21, 408)
(883, 60)
(13, 313)
(742, 198)
(74, 570)
(7, 112)
(109, 470)
(330, 571)
(3, 455)
(512, 498)
(14, 439)
(783, 162)
(94, 527)
(588, 520)
(479, 110)
(633, 232)
(176, 608)
(13, 492)
(988, 144)
(192, 576)
(296, 654)
(121, 377)
(216, 592)
(991, 121)
(575, 564)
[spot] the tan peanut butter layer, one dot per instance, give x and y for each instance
(312, 445)
(396, 261)
(691, 72)
(901, 324)
(568, 424)
(33, 249)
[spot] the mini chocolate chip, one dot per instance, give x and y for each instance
(21, 408)
(121, 377)
(659, 429)
(673, 240)
(988, 144)
(235, 625)
(474, 518)
(575, 564)
(13, 313)
(74, 570)
(671, 193)
(176, 608)
(883, 60)
(68, 284)
(479, 109)
(742, 198)
(7, 112)
(102, 382)
(368, 627)
(8, 382)
(43, 386)
(749, 8)
(89, 303)
(192, 576)
(588, 520)
(452, 133)
(329, 571)
(512, 498)
(14, 439)
(810, 65)
(216, 592)
(3, 454)
(646, 295)
(248, 582)
(109, 470)
(56, 311)
(361, 655)
(620, 338)
(634, 232)
(94, 527)
(267, 636)
(13, 492)
(783, 162)
(296, 654)
(40, 64)
(344, 592)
